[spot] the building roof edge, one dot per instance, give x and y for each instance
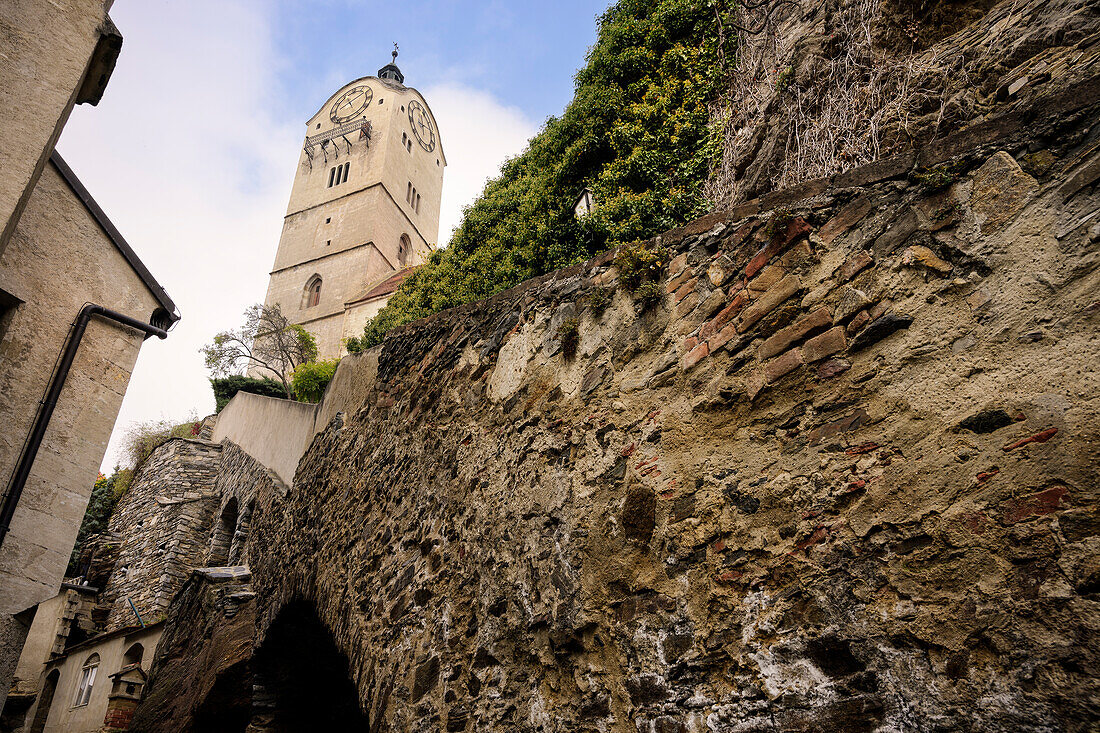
(115, 236)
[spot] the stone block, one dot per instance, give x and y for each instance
(779, 292)
(798, 330)
(859, 320)
(725, 315)
(1000, 190)
(696, 355)
(723, 337)
(844, 220)
(851, 301)
(879, 329)
(721, 270)
(675, 282)
(682, 292)
(782, 365)
(768, 276)
(918, 254)
(677, 264)
(796, 228)
(831, 342)
(688, 304)
(832, 368)
(853, 265)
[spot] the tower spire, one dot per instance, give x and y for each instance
(390, 72)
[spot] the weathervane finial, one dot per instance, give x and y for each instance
(394, 52)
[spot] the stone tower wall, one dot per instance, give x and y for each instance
(350, 234)
(842, 477)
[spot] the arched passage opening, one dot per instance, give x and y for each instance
(45, 700)
(222, 540)
(133, 655)
(301, 677)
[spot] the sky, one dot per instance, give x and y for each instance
(192, 150)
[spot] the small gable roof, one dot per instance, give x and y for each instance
(385, 286)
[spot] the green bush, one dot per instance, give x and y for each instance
(637, 132)
(105, 495)
(309, 380)
(226, 387)
(569, 337)
(145, 437)
(940, 176)
(638, 264)
(648, 294)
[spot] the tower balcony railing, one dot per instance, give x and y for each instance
(335, 135)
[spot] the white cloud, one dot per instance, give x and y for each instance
(187, 156)
(478, 134)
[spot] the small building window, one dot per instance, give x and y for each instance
(403, 249)
(409, 146)
(418, 203)
(409, 192)
(87, 679)
(404, 137)
(347, 166)
(331, 176)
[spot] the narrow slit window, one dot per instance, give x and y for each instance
(418, 203)
(331, 177)
(409, 191)
(347, 166)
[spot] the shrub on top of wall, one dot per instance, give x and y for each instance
(225, 387)
(310, 379)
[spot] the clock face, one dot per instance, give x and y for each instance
(422, 125)
(350, 104)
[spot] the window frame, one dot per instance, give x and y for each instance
(87, 681)
(313, 288)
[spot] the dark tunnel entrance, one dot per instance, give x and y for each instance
(302, 681)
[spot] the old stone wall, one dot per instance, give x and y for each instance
(821, 87)
(202, 674)
(842, 477)
(163, 523)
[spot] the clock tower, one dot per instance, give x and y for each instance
(364, 207)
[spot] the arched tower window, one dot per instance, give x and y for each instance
(347, 166)
(403, 249)
(312, 294)
(87, 679)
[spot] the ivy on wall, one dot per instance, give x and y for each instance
(636, 132)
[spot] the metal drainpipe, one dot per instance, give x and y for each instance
(45, 412)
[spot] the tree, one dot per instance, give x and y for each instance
(267, 342)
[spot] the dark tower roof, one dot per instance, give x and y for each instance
(390, 72)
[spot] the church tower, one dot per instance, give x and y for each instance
(364, 207)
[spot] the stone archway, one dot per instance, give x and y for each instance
(300, 678)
